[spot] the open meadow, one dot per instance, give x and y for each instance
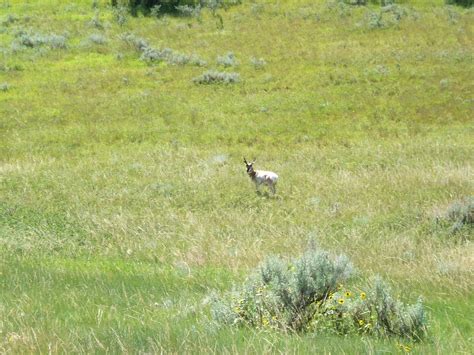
(124, 200)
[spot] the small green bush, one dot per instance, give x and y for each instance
(307, 295)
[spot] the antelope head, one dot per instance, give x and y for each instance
(249, 166)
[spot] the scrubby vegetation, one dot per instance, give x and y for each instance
(125, 207)
(215, 77)
(459, 216)
(308, 295)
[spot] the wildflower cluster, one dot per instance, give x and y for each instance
(306, 295)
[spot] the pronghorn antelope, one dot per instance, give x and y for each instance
(260, 177)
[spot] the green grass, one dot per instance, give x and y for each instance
(124, 202)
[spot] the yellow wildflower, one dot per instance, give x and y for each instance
(341, 301)
(361, 322)
(363, 296)
(348, 294)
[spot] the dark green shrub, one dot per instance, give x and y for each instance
(172, 6)
(465, 3)
(145, 6)
(366, 2)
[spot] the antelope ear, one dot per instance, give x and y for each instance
(245, 161)
(254, 159)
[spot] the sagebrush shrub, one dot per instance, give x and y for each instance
(150, 54)
(189, 11)
(4, 87)
(283, 295)
(227, 60)
(307, 295)
(461, 214)
(170, 56)
(215, 77)
(388, 15)
(138, 43)
(98, 38)
(31, 40)
(120, 15)
(96, 22)
(258, 63)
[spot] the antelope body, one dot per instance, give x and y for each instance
(260, 177)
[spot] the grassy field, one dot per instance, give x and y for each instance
(124, 202)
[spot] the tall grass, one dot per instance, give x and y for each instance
(124, 204)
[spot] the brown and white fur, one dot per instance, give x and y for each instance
(260, 177)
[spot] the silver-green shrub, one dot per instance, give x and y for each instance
(215, 77)
(150, 54)
(307, 295)
(189, 11)
(4, 87)
(462, 211)
(137, 43)
(30, 40)
(284, 295)
(120, 15)
(227, 60)
(97, 38)
(169, 56)
(461, 214)
(258, 63)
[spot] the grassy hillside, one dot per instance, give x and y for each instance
(124, 201)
